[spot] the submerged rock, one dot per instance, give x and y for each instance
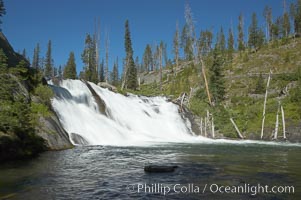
(159, 168)
(100, 102)
(78, 139)
(107, 85)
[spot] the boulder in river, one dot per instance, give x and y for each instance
(159, 168)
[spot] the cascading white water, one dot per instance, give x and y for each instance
(131, 120)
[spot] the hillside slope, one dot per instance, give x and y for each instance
(245, 79)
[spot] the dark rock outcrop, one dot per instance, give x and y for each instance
(78, 140)
(186, 114)
(13, 57)
(293, 133)
(51, 130)
(29, 140)
(107, 85)
(101, 104)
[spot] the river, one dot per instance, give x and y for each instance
(205, 170)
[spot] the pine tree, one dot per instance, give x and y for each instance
(241, 43)
(221, 41)
(24, 53)
(3, 61)
(267, 13)
(292, 14)
(205, 42)
(260, 88)
(101, 72)
(186, 43)
(70, 68)
(230, 44)
(137, 63)
(164, 53)
(276, 28)
(286, 26)
(217, 87)
(36, 57)
(256, 35)
(176, 44)
(295, 13)
(107, 60)
(156, 57)
(48, 61)
(190, 45)
(115, 74)
(89, 59)
(94, 51)
(131, 71)
(60, 72)
(148, 58)
(55, 71)
(42, 64)
(2, 11)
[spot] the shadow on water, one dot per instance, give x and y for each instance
(104, 172)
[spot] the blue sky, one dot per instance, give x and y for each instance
(66, 22)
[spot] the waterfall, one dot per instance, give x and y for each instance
(129, 120)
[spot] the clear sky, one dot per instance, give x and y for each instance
(66, 22)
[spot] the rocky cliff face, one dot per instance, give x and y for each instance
(19, 143)
(13, 57)
(51, 130)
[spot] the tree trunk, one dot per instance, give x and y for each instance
(283, 123)
(201, 126)
(264, 104)
(212, 127)
(97, 41)
(276, 124)
(205, 127)
(208, 122)
(160, 58)
(206, 83)
(107, 60)
(189, 97)
(237, 130)
(123, 85)
(182, 101)
(139, 83)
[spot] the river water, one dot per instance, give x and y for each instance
(204, 172)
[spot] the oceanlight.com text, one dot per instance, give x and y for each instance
(165, 189)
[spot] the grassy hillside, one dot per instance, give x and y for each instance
(245, 79)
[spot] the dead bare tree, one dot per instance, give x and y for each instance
(97, 44)
(176, 44)
(236, 128)
(182, 101)
(160, 60)
(201, 126)
(283, 123)
(107, 59)
(208, 124)
(189, 97)
(206, 83)
(277, 123)
(212, 127)
(205, 127)
(264, 104)
(125, 72)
